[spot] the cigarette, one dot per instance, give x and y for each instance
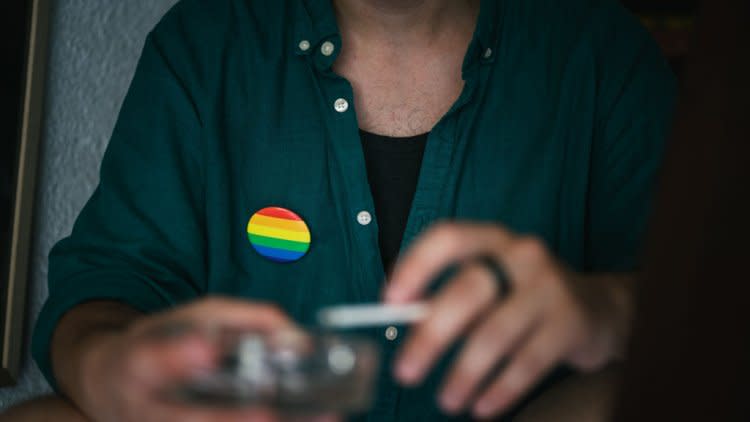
(371, 315)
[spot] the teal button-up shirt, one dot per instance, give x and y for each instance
(558, 133)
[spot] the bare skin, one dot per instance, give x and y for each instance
(116, 364)
(585, 398)
(551, 316)
(403, 59)
(45, 409)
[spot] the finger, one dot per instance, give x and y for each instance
(325, 418)
(156, 361)
(184, 413)
(225, 312)
(486, 346)
(438, 248)
(529, 363)
(451, 311)
(311, 418)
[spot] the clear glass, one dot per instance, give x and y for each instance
(292, 372)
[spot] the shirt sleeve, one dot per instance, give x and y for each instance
(140, 238)
(636, 90)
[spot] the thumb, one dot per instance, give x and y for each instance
(156, 361)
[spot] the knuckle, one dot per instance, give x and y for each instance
(431, 335)
(466, 375)
(214, 302)
(503, 323)
(529, 365)
(530, 247)
(475, 272)
(472, 366)
(560, 289)
(441, 226)
(446, 234)
(204, 305)
(527, 368)
(424, 345)
(516, 378)
(271, 310)
(547, 283)
(505, 389)
(480, 355)
(484, 284)
(136, 359)
(497, 330)
(475, 281)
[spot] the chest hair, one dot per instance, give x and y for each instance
(401, 100)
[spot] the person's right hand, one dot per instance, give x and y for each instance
(125, 374)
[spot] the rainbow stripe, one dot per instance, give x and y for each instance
(278, 234)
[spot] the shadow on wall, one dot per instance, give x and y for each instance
(94, 47)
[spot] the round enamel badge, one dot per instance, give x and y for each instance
(278, 234)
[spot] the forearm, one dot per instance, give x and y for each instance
(77, 337)
(46, 409)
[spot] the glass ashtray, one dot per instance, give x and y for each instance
(290, 371)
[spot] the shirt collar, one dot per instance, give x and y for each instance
(315, 24)
(488, 29)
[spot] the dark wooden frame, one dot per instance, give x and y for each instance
(13, 283)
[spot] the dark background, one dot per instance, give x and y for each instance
(670, 22)
(663, 6)
(689, 354)
(14, 21)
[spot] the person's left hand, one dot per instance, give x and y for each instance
(550, 316)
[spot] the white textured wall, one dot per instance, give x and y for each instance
(94, 48)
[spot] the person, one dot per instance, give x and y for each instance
(273, 158)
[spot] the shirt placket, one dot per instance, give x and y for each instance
(358, 208)
(444, 143)
(356, 204)
(436, 164)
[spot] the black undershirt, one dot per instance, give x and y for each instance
(393, 171)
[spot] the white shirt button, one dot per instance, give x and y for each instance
(341, 105)
(391, 333)
(304, 45)
(327, 48)
(488, 53)
(364, 218)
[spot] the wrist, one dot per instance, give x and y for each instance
(607, 302)
(81, 342)
(615, 311)
(96, 353)
(622, 292)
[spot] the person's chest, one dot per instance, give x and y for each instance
(507, 152)
(403, 94)
(510, 146)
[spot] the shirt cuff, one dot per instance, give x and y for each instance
(128, 289)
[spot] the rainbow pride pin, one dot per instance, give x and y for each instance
(278, 234)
